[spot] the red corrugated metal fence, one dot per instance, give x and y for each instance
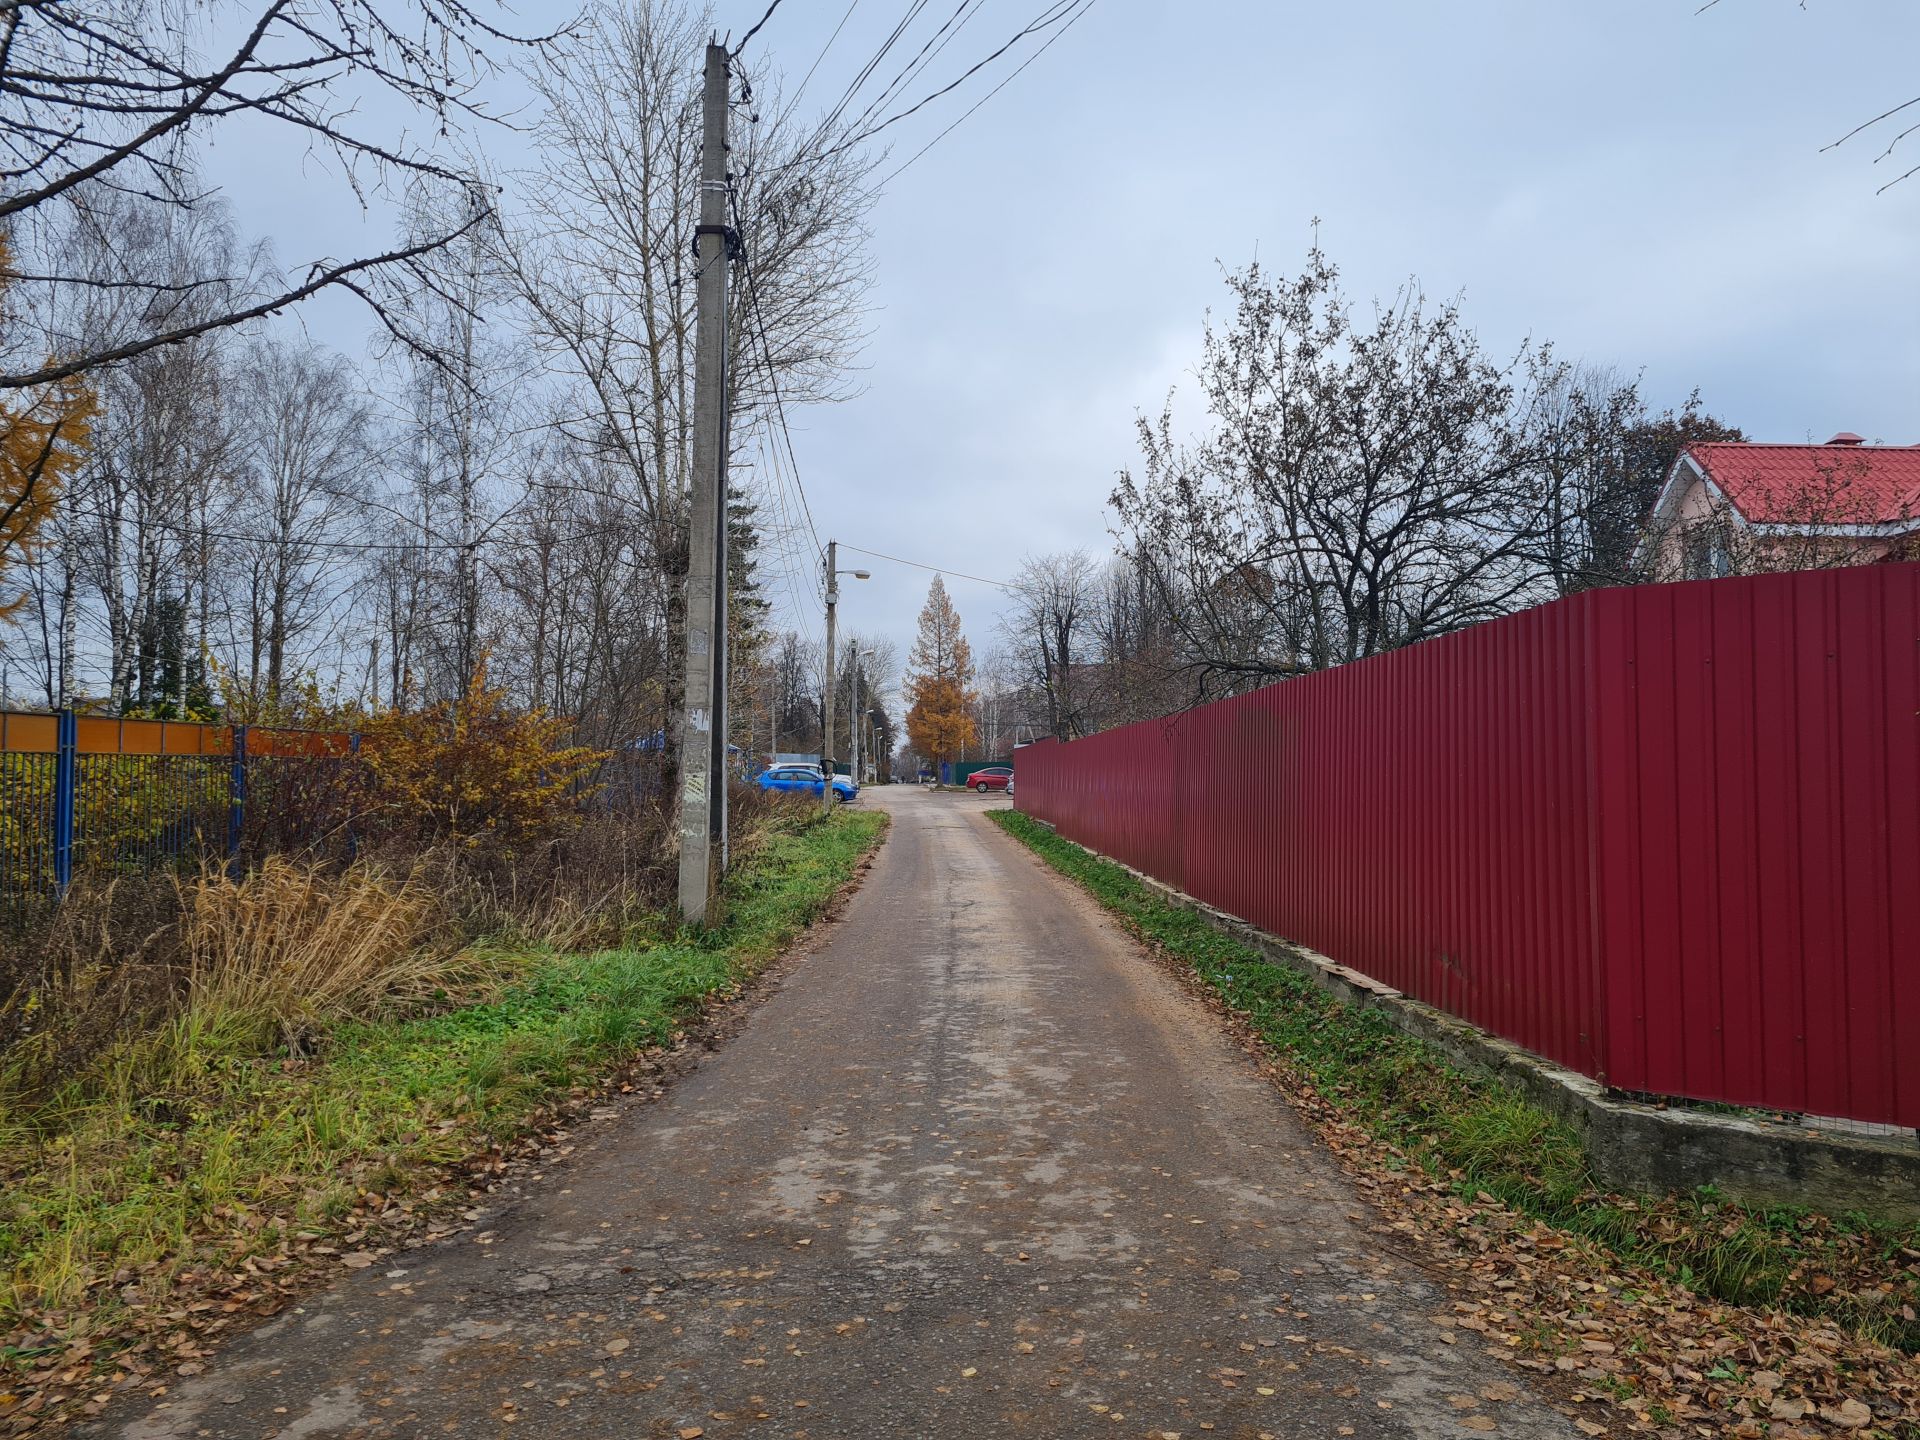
(1668, 836)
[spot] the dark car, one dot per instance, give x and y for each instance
(994, 777)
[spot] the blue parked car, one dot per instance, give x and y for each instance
(805, 780)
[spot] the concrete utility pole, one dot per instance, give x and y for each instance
(703, 744)
(859, 715)
(826, 730)
(854, 716)
(834, 572)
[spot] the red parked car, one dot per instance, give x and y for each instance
(994, 777)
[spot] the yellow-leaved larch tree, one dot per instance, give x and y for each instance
(940, 695)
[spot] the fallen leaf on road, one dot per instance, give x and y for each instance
(968, 1373)
(691, 1432)
(615, 1347)
(1500, 1390)
(1478, 1422)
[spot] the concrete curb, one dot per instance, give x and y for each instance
(1630, 1145)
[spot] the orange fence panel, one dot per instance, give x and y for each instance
(31, 734)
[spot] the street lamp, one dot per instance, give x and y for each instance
(826, 732)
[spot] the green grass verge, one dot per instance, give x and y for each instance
(1467, 1128)
(188, 1148)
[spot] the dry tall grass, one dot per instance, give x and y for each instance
(95, 969)
(292, 946)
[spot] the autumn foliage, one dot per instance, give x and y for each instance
(43, 434)
(475, 769)
(940, 696)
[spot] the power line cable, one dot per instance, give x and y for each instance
(805, 595)
(773, 378)
(922, 565)
(1067, 10)
(791, 104)
(895, 174)
(864, 74)
(919, 62)
(735, 52)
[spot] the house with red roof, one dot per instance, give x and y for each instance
(1738, 508)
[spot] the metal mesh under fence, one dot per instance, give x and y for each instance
(27, 832)
(136, 814)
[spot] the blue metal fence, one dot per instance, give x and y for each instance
(89, 795)
(82, 794)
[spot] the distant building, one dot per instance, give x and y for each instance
(1737, 508)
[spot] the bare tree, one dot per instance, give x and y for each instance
(305, 443)
(157, 481)
(1138, 642)
(1050, 629)
(462, 403)
(1364, 484)
(100, 98)
(601, 258)
(515, 488)
(794, 670)
(1602, 458)
(866, 670)
(580, 616)
(604, 253)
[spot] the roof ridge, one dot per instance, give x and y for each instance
(1790, 444)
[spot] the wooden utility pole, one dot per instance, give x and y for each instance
(826, 730)
(703, 746)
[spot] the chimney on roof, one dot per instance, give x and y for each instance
(1847, 437)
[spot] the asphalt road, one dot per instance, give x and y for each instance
(976, 1167)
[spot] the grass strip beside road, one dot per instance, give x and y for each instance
(202, 1170)
(1433, 1124)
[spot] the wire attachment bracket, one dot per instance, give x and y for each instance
(734, 246)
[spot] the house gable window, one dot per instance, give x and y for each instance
(1708, 556)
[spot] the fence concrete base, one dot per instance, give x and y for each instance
(1630, 1145)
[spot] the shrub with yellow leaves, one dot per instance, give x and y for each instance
(474, 770)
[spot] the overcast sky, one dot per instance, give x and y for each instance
(1640, 183)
